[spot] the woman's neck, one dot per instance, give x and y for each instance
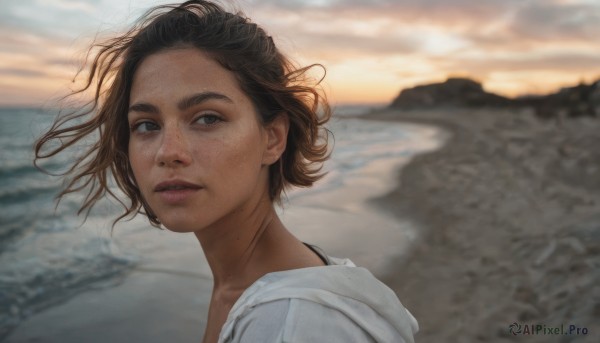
(242, 249)
(234, 246)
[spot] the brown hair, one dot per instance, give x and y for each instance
(274, 84)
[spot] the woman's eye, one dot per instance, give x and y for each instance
(208, 119)
(145, 126)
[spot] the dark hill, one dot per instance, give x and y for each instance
(456, 92)
(580, 100)
(577, 101)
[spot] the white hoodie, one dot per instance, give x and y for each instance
(329, 304)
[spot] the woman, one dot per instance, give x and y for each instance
(203, 123)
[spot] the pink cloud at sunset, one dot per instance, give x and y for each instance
(371, 49)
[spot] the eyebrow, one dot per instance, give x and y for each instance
(199, 98)
(184, 103)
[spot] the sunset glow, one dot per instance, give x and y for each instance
(371, 49)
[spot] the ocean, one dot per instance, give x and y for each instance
(48, 254)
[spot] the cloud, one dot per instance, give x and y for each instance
(564, 61)
(552, 22)
(355, 28)
(457, 12)
(70, 19)
(44, 19)
(21, 72)
(68, 62)
(69, 5)
(414, 40)
(356, 45)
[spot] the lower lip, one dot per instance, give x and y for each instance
(177, 195)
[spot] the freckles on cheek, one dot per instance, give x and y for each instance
(248, 144)
(238, 155)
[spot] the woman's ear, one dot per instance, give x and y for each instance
(277, 132)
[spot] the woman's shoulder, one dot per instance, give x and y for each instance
(320, 300)
(297, 320)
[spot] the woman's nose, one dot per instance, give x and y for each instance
(174, 150)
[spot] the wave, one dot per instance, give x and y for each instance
(22, 194)
(20, 167)
(20, 299)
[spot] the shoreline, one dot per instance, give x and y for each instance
(511, 229)
(159, 287)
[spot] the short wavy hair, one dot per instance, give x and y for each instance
(270, 80)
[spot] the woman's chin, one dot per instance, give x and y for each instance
(179, 229)
(180, 226)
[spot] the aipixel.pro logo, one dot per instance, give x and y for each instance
(542, 329)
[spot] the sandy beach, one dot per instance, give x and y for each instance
(510, 208)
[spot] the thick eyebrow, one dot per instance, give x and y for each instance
(183, 104)
(143, 107)
(199, 98)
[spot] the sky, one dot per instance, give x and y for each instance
(371, 48)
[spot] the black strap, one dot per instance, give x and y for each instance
(321, 255)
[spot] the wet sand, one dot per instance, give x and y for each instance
(510, 209)
(163, 299)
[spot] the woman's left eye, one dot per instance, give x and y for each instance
(208, 119)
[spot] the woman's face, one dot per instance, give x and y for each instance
(197, 149)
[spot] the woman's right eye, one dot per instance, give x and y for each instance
(144, 126)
